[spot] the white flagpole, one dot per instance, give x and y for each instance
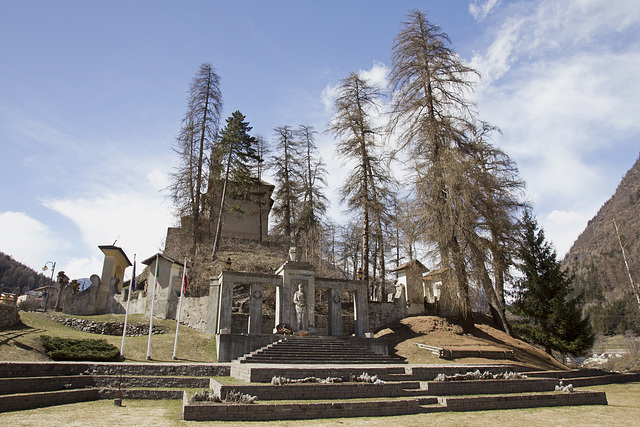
(153, 301)
(126, 312)
(182, 286)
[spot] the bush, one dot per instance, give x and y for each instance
(97, 350)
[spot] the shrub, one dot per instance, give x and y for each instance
(98, 350)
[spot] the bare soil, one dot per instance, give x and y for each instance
(446, 333)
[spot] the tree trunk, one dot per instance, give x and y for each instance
(216, 242)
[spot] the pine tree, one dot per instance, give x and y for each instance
(286, 164)
(314, 174)
(240, 157)
(552, 317)
(353, 123)
(198, 131)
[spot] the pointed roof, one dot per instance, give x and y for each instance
(117, 249)
(152, 258)
(413, 264)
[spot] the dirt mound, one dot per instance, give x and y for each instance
(447, 333)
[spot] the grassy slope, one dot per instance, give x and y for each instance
(22, 342)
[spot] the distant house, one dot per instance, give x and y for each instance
(246, 216)
(433, 290)
(410, 277)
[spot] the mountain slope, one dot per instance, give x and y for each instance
(596, 259)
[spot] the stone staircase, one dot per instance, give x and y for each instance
(318, 351)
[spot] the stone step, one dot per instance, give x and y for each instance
(308, 361)
(314, 349)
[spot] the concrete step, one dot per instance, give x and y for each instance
(315, 349)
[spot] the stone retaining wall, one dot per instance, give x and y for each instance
(20, 402)
(263, 374)
(484, 403)
(314, 391)
(8, 315)
(203, 411)
(430, 372)
(42, 384)
(39, 369)
(437, 388)
(108, 328)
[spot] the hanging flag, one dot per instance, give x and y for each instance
(157, 272)
(132, 288)
(185, 279)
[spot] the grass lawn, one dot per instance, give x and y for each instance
(623, 410)
(22, 342)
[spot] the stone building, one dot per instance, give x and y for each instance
(410, 278)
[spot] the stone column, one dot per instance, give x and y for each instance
(334, 322)
(255, 309)
(361, 312)
(225, 302)
(213, 305)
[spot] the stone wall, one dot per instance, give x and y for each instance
(108, 328)
(383, 314)
(8, 315)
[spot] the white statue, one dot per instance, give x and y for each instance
(300, 301)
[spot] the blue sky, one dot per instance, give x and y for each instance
(92, 94)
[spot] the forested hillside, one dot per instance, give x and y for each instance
(14, 275)
(597, 262)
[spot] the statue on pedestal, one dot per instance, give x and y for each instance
(300, 301)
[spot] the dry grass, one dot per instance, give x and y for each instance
(22, 342)
(623, 410)
(439, 332)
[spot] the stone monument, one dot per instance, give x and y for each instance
(300, 301)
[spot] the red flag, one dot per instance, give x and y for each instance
(185, 280)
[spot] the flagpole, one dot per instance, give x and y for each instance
(153, 301)
(182, 289)
(132, 288)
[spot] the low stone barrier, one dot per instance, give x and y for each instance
(20, 402)
(39, 369)
(448, 388)
(485, 403)
(205, 411)
(430, 372)
(108, 328)
(603, 379)
(263, 374)
(42, 384)
(315, 391)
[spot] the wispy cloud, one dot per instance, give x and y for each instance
(560, 87)
(28, 240)
(480, 9)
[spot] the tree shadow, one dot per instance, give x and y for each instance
(12, 333)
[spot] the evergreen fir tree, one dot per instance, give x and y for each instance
(551, 316)
(240, 156)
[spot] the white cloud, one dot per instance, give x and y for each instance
(558, 80)
(28, 240)
(564, 226)
(158, 179)
(376, 75)
(77, 268)
(479, 9)
(137, 220)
